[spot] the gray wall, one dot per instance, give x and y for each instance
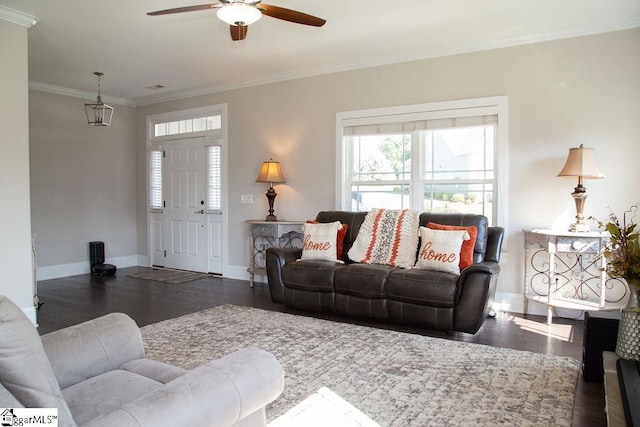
(83, 184)
(561, 94)
(16, 266)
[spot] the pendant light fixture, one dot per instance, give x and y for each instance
(99, 113)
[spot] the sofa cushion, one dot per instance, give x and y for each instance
(424, 316)
(440, 249)
(25, 370)
(361, 307)
(105, 393)
(363, 280)
(153, 369)
(310, 275)
(387, 236)
(323, 302)
(423, 287)
(466, 252)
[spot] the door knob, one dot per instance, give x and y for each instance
(201, 211)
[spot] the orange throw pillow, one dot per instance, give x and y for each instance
(466, 252)
(342, 231)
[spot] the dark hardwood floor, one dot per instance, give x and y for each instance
(71, 300)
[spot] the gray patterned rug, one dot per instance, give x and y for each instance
(394, 378)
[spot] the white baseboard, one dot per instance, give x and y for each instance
(76, 268)
(239, 272)
(32, 314)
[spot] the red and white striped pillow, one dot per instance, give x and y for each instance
(387, 236)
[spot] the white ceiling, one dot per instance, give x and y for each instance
(192, 53)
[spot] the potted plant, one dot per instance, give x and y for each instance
(623, 261)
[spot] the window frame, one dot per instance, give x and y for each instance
(497, 105)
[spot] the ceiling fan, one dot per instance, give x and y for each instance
(240, 13)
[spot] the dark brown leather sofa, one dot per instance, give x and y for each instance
(431, 299)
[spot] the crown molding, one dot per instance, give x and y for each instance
(43, 87)
(17, 17)
(569, 32)
(544, 36)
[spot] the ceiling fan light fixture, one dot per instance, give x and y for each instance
(239, 14)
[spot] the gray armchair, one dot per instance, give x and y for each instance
(96, 374)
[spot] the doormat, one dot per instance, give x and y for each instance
(170, 276)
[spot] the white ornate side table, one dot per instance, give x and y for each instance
(268, 234)
(567, 269)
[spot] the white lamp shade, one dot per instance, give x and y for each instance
(270, 172)
(581, 162)
(239, 14)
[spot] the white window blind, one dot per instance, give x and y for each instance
(155, 179)
(214, 181)
(418, 125)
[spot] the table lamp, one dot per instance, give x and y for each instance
(580, 163)
(271, 173)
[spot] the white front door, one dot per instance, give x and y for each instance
(184, 222)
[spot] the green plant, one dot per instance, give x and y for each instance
(458, 197)
(623, 252)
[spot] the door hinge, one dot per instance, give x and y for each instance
(164, 204)
(165, 254)
(164, 154)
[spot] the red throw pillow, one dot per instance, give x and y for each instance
(466, 252)
(342, 231)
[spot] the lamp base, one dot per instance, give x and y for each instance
(579, 227)
(271, 197)
(580, 197)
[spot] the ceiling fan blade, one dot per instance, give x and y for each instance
(238, 32)
(185, 9)
(290, 15)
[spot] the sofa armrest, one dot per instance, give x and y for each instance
(476, 290)
(219, 393)
(285, 255)
(92, 348)
(495, 236)
(276, 259)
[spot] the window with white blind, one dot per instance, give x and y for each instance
(155, 179)
(214, 181)
(443, 157)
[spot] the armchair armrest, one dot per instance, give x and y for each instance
(92, 348)
(219, 393)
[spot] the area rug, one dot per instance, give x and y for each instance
(393, 378)
(170, 276)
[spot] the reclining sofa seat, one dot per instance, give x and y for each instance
(430, 299)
